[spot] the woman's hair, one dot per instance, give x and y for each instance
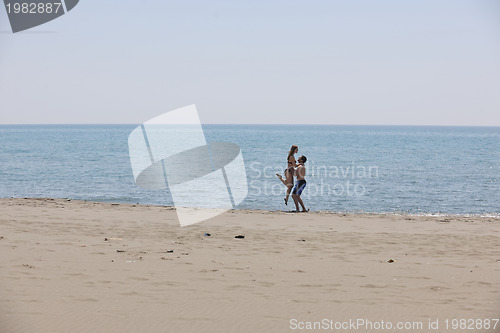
(292, 151)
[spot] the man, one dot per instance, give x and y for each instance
(300, 172)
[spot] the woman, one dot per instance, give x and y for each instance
(289, 171)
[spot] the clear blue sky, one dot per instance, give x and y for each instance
(269, 62)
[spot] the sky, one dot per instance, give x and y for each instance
(386, 62)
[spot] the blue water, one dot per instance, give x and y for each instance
(384, 169)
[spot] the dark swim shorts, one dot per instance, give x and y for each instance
(299, 187)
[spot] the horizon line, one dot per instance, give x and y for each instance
(253, 124)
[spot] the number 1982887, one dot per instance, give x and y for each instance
(33, 8)
(471, 324)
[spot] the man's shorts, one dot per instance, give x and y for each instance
(299, 187)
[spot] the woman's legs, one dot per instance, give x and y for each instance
(281, 178)
(288, 184)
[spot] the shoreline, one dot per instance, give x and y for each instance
(320, 212)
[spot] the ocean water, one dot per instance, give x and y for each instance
(381, 169)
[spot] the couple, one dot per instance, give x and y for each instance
(298, 170)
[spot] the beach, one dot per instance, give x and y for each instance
(81, 266)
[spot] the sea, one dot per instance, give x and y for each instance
(421, 170)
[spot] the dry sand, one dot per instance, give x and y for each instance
(74, 266)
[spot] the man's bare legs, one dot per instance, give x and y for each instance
(298, 200)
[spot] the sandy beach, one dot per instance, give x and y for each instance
(75, 266)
